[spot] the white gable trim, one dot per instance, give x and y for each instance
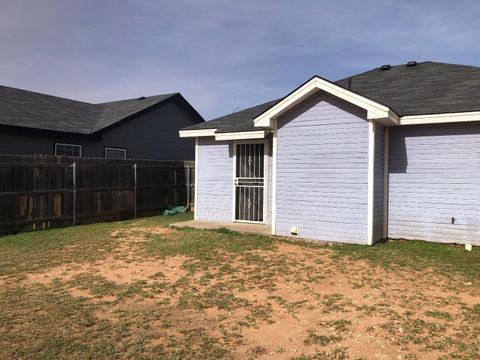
(197, 133)
(241, 135)
(375, 111)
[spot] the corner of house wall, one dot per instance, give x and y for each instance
(386, 149)
(371, 182)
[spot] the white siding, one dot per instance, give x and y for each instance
(215, 181)
(322, 171)
(434, 175)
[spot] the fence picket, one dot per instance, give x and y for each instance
(65, 191)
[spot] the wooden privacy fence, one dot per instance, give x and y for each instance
(40, 191)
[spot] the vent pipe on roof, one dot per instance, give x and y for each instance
(411, 63)
(385, 67)
(349, 84)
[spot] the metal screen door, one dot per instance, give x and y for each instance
(249, 182)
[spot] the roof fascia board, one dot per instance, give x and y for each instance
(197, 133)
(440, 118)
(241, 135)
(375, 111)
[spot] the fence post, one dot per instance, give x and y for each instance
(74, 178)
(188, 187)
(135, 190)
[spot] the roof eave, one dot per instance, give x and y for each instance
(223, 136)
(440, 118)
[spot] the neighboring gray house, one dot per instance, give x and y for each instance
(393, 152)
(142, 128)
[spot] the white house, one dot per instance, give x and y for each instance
(393, 152)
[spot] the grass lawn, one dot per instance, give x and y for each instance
(140, 290)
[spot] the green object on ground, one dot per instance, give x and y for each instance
(173, 210)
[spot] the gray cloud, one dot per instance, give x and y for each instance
(220, 54)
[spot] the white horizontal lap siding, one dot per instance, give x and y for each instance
(378, 189)
(215, 180)
(434, 175)
(322, 171)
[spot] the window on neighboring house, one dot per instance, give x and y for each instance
(62, 149)
(115, 153)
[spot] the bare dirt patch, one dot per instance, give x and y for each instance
(285, 301)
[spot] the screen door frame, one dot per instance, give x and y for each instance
(265, 180)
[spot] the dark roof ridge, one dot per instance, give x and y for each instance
(135, 98)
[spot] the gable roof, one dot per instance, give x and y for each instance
(425, 88)
(27, 109)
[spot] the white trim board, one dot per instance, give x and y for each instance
(241, 135)
(371, 181)
(197, 173)
(273, 220)
(375, 111)
(440, 118)
(197, 133)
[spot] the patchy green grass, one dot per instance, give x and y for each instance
(33, 251)
(207, 245)
(418, 255)
(137, 290)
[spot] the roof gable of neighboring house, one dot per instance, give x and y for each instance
(422, 93)
(27, 109)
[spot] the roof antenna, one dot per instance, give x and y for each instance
(236, 109)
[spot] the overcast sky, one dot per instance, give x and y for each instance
(221, 55)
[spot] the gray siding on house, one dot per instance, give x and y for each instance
(20, 143)
(322, 171)
(215, 180)
(434, 175)
(153, 135)
(378, 188)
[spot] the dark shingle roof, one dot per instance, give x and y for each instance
(29, 109)
(237, 121)
(427, 88)
(117, 110)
